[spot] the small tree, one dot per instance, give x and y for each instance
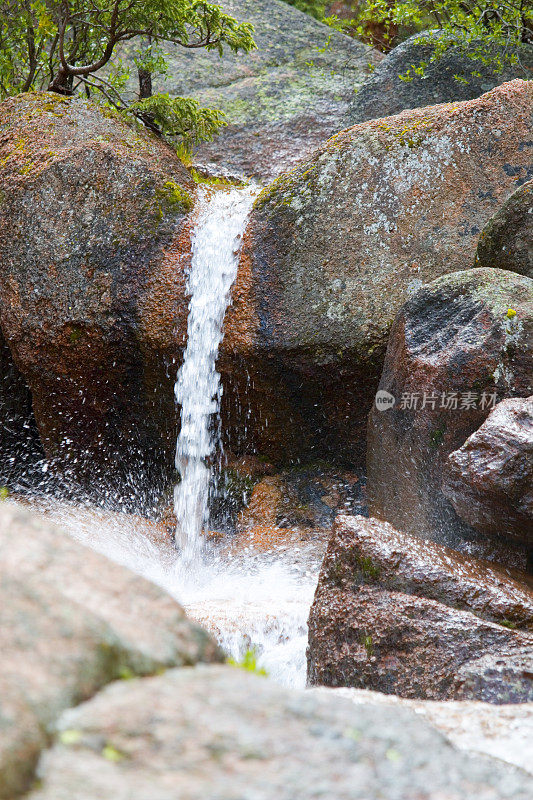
(70, 46)
(487, 30)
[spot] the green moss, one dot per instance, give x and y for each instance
(70, 737)
(370, 570)
(172, 196)
(75, 334)
(368, 644)
(248, 663)
(506, 623)
(280, 192)
(111, 753)
(208, 180)
(436, 437)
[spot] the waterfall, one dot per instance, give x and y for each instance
(198, 390)
(248, 597)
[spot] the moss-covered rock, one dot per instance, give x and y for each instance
(335, 247)
(94, 224)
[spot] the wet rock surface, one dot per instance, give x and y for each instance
(384, 93)
(334, 248)
(453, 354)
(304, 498)
(281, 100)
(400, 616)
(220, 733)
(20, 447)
(503, 732)
(506, 241)
(72, 621)
(92, 298)
(489, 480)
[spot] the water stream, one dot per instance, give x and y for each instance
(247, 599)
(215, 256)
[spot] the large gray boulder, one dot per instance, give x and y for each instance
(453, 353)
(384, 93)
(72, 621)
(217, 733)
(506, 241)
(281, 100)
(335, 247)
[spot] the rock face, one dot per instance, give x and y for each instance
(401, 616)
(281, 100)
(506, 241)
(92, 298)
(453, 353)
(335, 247)
(489, 480)
(72, 621)
(20, 448)
(384, 93)
(502, 732)
(214, 732)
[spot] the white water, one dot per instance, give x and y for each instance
(216, 243)
(248, 597)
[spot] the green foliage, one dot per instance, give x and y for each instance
(315, 8)
(179, 117)
(487, 31)
(4, 493)
(249, 663)
(64, 45)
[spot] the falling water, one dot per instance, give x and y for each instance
(248, 597)
(219, 228)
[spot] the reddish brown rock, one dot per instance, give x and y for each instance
(92, 297)
(335, 247)
(453, 353)
(415, 619)
(489, 480)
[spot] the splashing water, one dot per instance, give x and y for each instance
(248, 598)
(198, 390)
